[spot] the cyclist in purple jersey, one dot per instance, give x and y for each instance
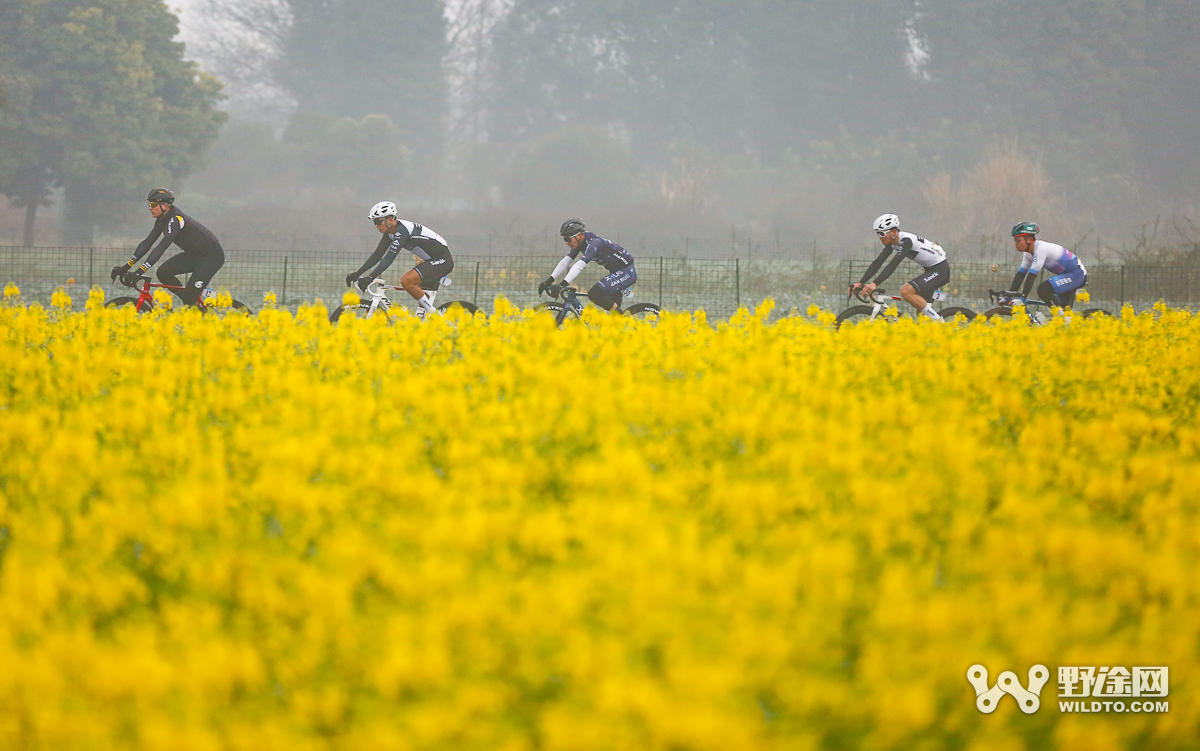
(1068, 274)
(586, 247)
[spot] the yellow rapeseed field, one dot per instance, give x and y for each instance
(268, 533)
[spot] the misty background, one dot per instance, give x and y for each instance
(711, 129)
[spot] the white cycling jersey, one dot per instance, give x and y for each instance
(924, 252)
(1054, 258)
(417, 239)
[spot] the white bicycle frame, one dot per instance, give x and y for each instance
(377, 291)
(878, 305)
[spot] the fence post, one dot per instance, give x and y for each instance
(737, 285)
(475, 297)
(660, 274)
(1122, 285)
(284, 296)
(91, 254)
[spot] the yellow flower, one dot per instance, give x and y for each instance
(60, 299)
(269, 532)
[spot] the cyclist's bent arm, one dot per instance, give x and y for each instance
(887, 251)
(375, 257)
(890, 269)
(562, 267)
(389, 257)
(174, 227)
(144, 246)
(1022, 272)
(575, 271)
(1034, 262)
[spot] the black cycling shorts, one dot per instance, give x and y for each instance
(432, 271)
(931, 279)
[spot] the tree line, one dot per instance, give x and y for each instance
(871, 98)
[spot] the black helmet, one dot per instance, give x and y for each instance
(571, 227)
(160, 195)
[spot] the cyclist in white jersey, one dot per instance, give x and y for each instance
(435, 261)
(927, 254)
(1068, 274)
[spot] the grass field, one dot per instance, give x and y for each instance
(267, 533)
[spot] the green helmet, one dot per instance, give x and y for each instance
(1025, 228)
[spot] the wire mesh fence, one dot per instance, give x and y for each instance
(1110, 286)
(718, 286)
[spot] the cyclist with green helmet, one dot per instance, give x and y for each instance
(1068, 272)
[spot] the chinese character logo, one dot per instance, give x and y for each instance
(987, 699)
(1112, 682)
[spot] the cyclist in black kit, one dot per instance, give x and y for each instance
(202, 254)
(401, 234)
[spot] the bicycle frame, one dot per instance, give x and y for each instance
(377, 290)
(143, 285)
(1029, 306)
(878, 300)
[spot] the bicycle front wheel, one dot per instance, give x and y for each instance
(998, 313)
(358, 309)
(857, 315)
(120, 302)
(1095, 312)
(555, 308)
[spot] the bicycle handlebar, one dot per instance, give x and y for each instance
(874, 297)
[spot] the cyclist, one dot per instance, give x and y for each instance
(428, 246)
(586, 247)
(928, 255)
(202, 255)
(1069, 273)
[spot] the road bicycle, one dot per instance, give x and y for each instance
(144, 302)
(571, 307)
(379, 302)
(880, 301)
(1003, 302)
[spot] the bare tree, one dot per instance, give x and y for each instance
(241, 43)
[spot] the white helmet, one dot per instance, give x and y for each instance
(886, 223)
(382, 209)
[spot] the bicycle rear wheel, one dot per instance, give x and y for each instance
(646, 311)
(1095, 312)
(469, 308)
(950, 313)
(857, 315)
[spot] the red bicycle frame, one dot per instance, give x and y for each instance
(143, 285)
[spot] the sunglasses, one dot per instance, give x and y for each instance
(882, 234)
(378, 222)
